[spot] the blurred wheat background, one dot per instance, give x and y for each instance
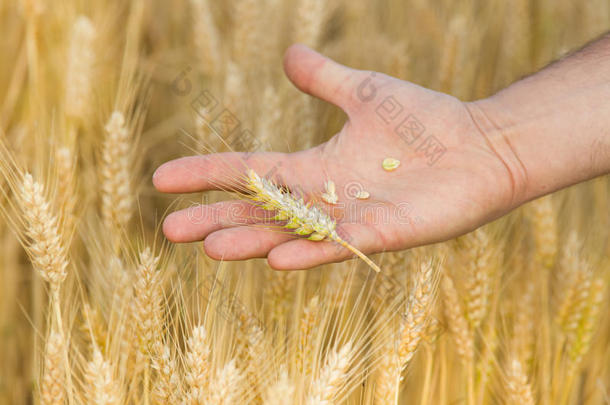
(96, 308)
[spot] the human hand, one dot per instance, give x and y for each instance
(452, 178)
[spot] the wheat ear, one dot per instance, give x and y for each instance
(324, 389)
(80, 61)
(225, 388)
(308, 327)
(544, 227)
(281, 392)
(197, 362)
(205, 36)
(102, 389)
(117, 193)
(167, 387)
(518, 389)
(310, 17)
(52, 387)
(47, 251)
(148, 300)
(478, 261)
(457, 323)
(388, 376)
(589, 319)
(148, 310)
(305, 219)
(419, 307)
(278, 292)
(246, 34)
(65, 162)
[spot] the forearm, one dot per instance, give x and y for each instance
(552, 129)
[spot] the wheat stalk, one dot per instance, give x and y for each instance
(305, 219)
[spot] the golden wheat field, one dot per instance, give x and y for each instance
(96, 307)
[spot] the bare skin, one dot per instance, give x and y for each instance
(491, 156)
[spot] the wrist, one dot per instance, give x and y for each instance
(501, 136)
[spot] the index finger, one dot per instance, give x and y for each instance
(218, 171)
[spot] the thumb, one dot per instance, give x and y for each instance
(320, 76)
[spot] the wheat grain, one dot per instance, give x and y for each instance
(390, 164)
(330, 192)
(363, 195)
(305, 219)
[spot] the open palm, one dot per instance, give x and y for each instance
(453, 176)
